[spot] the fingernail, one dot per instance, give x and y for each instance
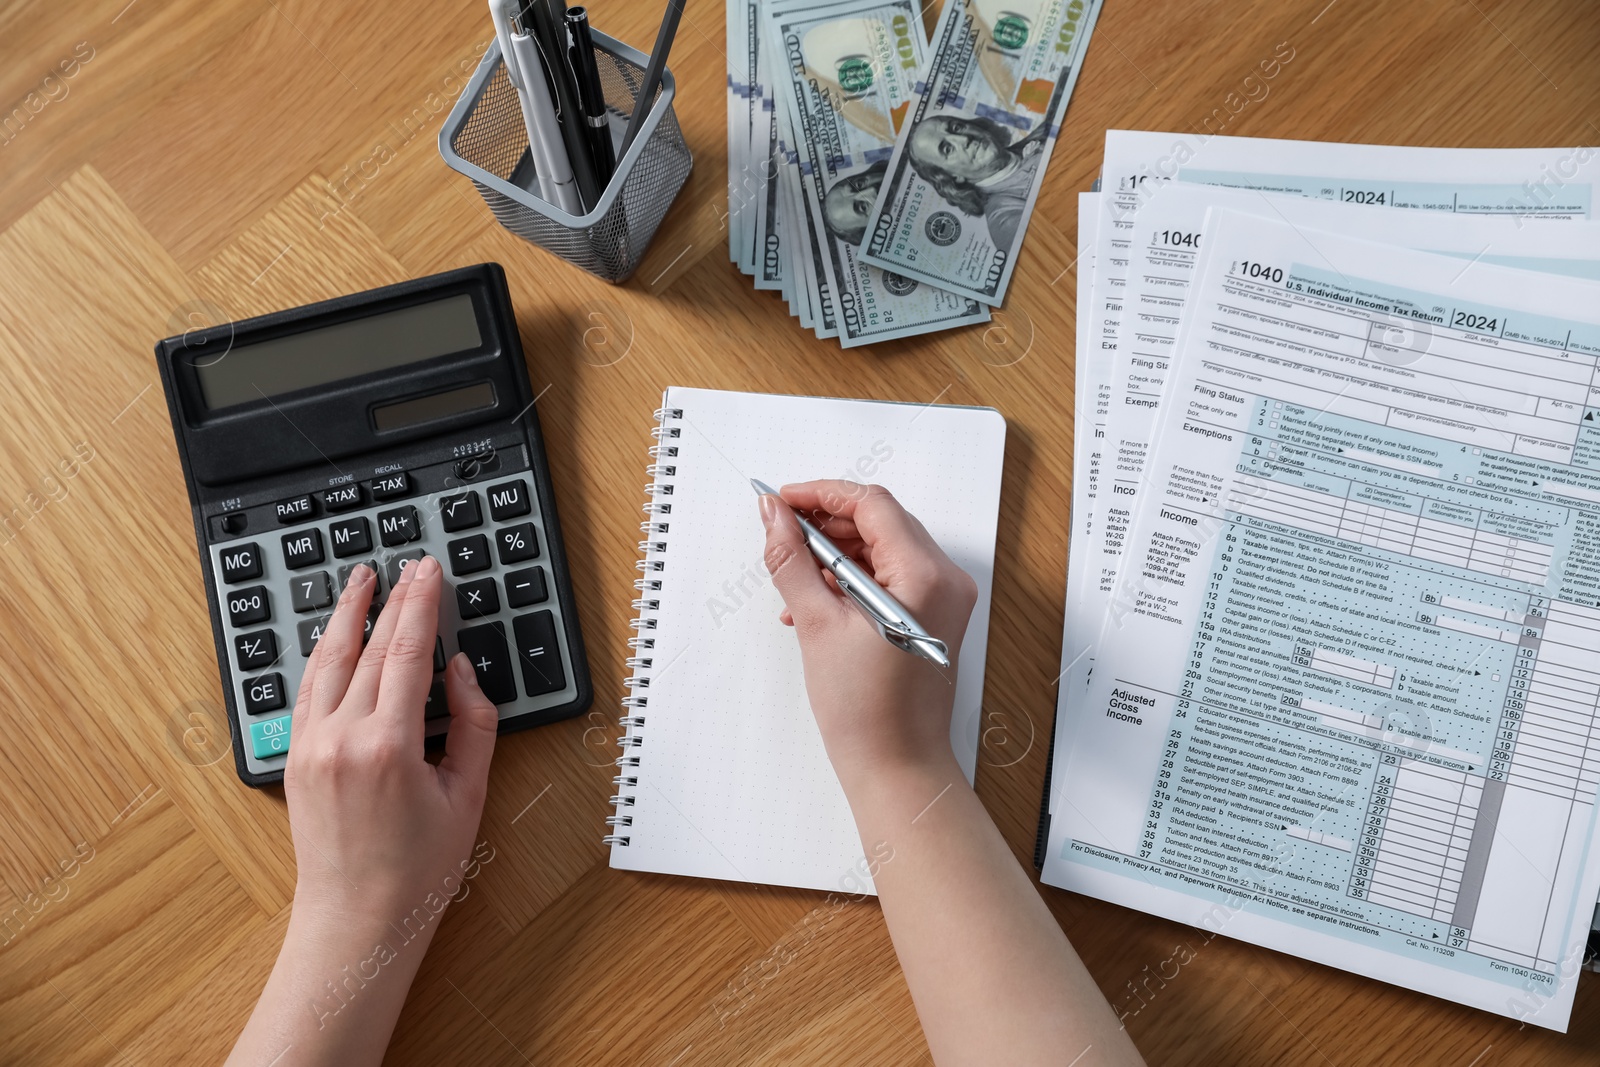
(769, 509)
(427, 567)
(463, 668)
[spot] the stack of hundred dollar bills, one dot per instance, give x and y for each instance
(880, 182)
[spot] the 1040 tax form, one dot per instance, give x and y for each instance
(1345, 700)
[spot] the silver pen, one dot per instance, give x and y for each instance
(887, 614)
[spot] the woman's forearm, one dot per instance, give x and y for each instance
(335, 991)
(993, 977)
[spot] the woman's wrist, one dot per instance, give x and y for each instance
(345, 952)
(881, 787)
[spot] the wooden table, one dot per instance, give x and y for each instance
(204, 161)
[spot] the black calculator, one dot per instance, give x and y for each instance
(375, 428)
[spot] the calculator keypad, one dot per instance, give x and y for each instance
(294, 510)
(399, 527)
(486, 647)
(478, 599)
(507, 500)
(469, 555)
(246, 607)
(312, 591)
(302, 549)
(525, 588)
(240, 563)
(517, 543)
(538, 652)
(255, 651)
(460, 512)
(370, 564)
(391, 486)
(496, 606)
(350, 537)
(343, 498)
(264, 693)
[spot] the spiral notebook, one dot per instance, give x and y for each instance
(723, 772)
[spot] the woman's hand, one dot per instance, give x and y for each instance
(992, 975)
(879, 708)
(382, 837)
(376, 827)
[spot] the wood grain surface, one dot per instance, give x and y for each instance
(164, 162)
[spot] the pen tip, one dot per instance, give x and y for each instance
(762, 488)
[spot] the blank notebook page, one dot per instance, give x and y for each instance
(733, 781)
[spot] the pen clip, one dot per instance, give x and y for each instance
(504, 25)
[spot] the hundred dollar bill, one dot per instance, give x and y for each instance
(770, 253)
(749, 47)
(967, 165)
(741, 72)
(794, 234)
(843, 76)
(735, 87)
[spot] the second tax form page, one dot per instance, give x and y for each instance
(1345, 700)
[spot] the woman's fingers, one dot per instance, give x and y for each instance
(340, 645)
(408, 657)
(362, 690)
(877, 515)
(474, 721)
(856, 549)
(795, 572)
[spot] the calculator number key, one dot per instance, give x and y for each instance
(240, 562)
(398, 527)
(399, 562)
(508, 500)
(345, 571)
(468, 555)
(311, 592)
(303, 549)
(264, 693)
(517, 543)
(255, 650)
(485, 647)
(351, 536)
(311, 630)
(246, 607)
(539, 654)
(461, 512)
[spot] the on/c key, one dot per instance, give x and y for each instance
(270, 738)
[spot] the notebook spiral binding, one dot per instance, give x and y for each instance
(657, 510)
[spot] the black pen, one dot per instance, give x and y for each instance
(591, 96)
(550, 30)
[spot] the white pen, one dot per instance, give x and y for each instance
(887, 614)
(526, 71)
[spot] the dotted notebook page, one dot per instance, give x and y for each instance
(733, 780)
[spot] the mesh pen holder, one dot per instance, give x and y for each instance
(485, 139)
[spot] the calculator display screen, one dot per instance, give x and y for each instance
(330, 353)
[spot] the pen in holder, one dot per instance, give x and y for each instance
(485, 139)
